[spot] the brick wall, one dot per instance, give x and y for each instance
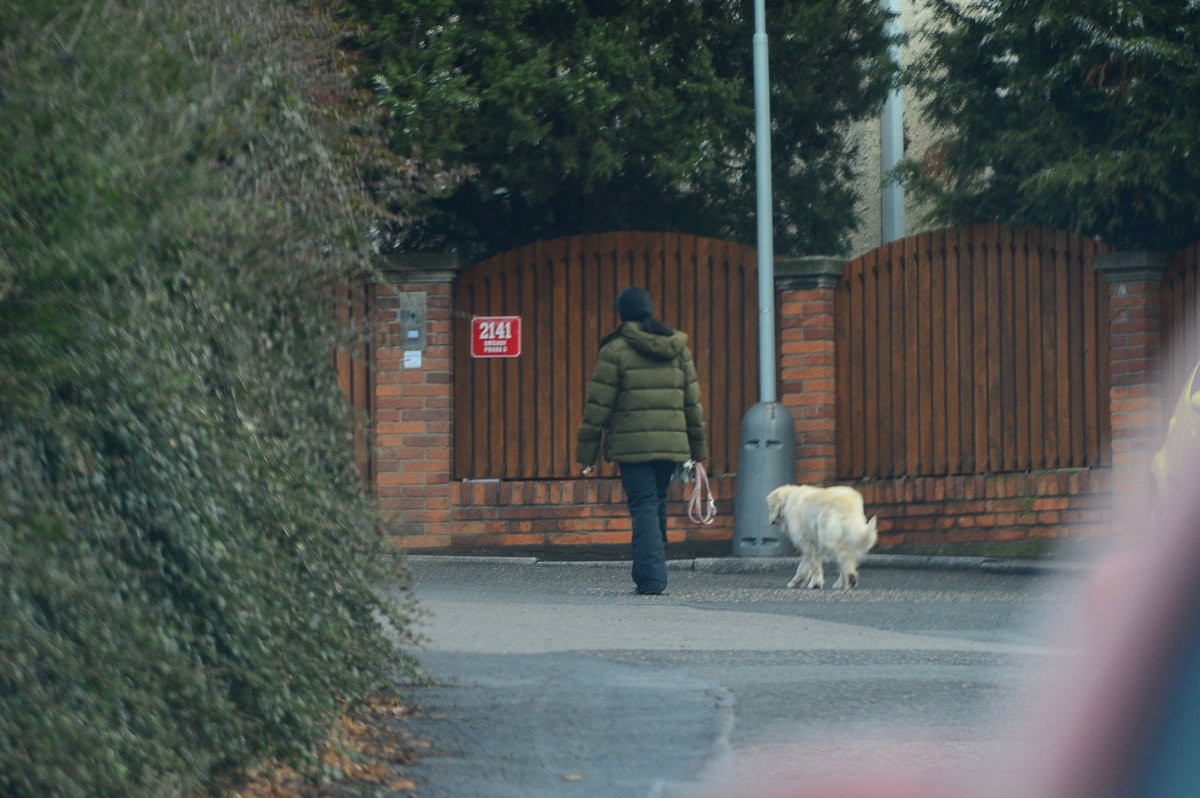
(412, 408)
(428, 511)
(920, 511)
(540, 516)
(1135, 370)
(806, 361)
(995, 508)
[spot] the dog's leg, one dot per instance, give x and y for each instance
(817, 580)
(814, 555)
(808, 557)
(847, 573)
(801, 572)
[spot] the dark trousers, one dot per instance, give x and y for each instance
(645, 487)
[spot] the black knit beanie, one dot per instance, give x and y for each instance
(633, 304)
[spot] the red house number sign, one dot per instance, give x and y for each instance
(496, 336)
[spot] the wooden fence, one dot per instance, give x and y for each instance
(353, 303)
(516, 418)
(976, 350)
(1181, 321)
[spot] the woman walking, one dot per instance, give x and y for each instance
(644, 402)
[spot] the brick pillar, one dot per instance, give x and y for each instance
(805, 289)
(1135, 332)
(413, 399)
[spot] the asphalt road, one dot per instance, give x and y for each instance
(554, 679)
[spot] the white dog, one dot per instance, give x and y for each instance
(822, 523)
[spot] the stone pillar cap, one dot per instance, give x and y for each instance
(811, 271)
(1134, 266)
(423, 267)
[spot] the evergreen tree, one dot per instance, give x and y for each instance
(576, 116)
(1079, 115)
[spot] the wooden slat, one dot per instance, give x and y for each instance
(1103, 352)
(1033, 294)
(581, 358)
(1062, 313)
(918, 252)
(1022, 244)
(1091, 386)
(685, 249)
(481, 451)
(1007, 350)
(966, 352)
(982, 354)
(899, 394)
(939, 406)
(491, 402)
(702, 345)
(912, 346)
(890, 347)
(844, 402)
(541, 330)
(717, 366)
(1077, 453)
(557, 410)
(856, 375)
(991, 307)
(698, 319)
(953, 353)
(748, 264)
(517, 452)
(882, 424)
(1049, 354)
(352, 302)
(865, 279)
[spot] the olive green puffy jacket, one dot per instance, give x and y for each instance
(644, 400)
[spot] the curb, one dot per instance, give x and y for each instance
(743, 565)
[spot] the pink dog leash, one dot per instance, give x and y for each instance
(698, 511)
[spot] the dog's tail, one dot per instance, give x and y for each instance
(872, 535)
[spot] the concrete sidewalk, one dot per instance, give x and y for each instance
(746, 565)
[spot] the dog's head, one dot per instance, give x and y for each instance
(778, 500)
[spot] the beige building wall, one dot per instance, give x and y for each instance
(917, 135)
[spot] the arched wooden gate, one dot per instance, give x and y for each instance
(974, 350)
(516, 418)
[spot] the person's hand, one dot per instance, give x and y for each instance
(589, 470)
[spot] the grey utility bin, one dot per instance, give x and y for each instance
(768, 460)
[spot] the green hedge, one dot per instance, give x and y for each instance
(191, 577)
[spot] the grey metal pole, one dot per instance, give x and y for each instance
(768, 435)
(891, 148)
(766, 243)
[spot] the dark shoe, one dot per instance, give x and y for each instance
(650, 592)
